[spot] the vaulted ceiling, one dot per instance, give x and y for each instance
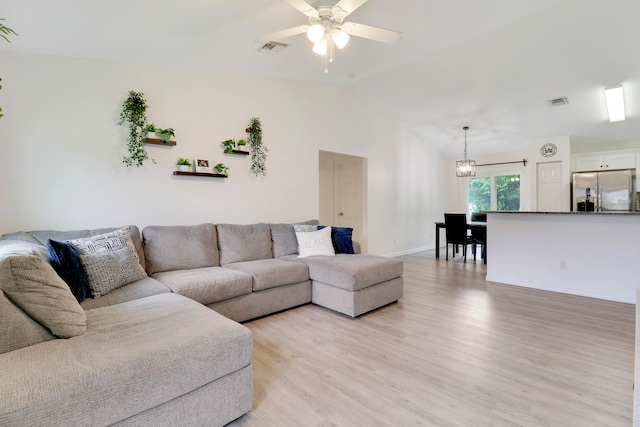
(491, 64)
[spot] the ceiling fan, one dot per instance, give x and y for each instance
(327, 29)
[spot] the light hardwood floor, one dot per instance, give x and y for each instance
(455, 351)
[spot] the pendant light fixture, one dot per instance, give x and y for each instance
(465, 167)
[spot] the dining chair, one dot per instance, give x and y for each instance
(456, 230)
(479, 235)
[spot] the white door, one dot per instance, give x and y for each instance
(549, 186)
(349, 182)
(343, 193)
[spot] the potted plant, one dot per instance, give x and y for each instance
(221, 169)
(228, 145)
(258, 150)
(241, 143)
(165, 134)
(134, 115)
(150, 131)
(184, 165)
(4, 32)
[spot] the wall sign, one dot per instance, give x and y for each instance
(548, 150)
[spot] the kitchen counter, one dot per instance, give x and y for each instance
(567, 213)
(594, 254)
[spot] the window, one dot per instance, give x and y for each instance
(494, 192)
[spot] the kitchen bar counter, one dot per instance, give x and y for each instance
(566, 213)
(595, 254)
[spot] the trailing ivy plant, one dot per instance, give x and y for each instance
(4, 32)
(134, 114)
(258, 150)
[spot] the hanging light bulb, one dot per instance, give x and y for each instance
(339, 37)
(315, 33)
(321, 47)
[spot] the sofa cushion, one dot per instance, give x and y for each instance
(270, 273)
(142, 288)
(243, 242)
(168, 248)
(353, 272)
(207, 285)
(41, 236)
(18, 329)
(283, 238)
(135, 356)
(33, 285)
(109, 261)
(65, 260)
(22, 247)
(315, 243)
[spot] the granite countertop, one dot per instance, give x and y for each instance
(567, 213)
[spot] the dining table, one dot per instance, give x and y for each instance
(470, 225)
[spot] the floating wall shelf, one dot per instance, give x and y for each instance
(210, 175)
(158, 141)
(239, 152)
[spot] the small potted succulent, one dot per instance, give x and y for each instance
(184, 165)
(221, 169)
(240, 144)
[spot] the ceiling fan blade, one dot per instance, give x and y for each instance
(345, 7)
(372, 33)
(278, 35)
(304, 7)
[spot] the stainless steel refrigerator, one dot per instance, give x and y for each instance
(602, 191)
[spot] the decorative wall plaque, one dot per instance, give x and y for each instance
(548, 150)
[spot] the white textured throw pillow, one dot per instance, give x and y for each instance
(315, 243)
(110, 261)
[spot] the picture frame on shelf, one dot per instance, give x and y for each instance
(203, 166)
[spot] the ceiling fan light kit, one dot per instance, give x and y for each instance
(326, 29)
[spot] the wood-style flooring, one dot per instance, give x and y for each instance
(455, 351)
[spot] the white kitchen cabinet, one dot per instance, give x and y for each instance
(605, 161)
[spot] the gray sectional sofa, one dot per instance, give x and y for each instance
(165, 349)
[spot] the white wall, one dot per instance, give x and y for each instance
(418, 174)
(62, 150)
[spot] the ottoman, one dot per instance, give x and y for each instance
(354, 284)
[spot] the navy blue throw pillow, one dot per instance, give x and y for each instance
(65, 260)
(342, 239)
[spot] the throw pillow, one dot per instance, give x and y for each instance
(65, 260)
(342, 238)
(315, 243)
(32, 284)
(109, 260)
(304, 228)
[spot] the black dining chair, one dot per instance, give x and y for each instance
(479, 234)
(456, 230)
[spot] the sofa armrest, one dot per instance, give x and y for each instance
(356, 247)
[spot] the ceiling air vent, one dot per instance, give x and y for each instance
(558, 102)
(273, 48)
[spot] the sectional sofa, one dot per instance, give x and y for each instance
(119, 327)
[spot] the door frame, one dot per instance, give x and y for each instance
(327, 179)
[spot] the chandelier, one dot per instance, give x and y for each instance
(465, 167)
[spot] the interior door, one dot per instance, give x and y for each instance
(348, 185)
(549, 186)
